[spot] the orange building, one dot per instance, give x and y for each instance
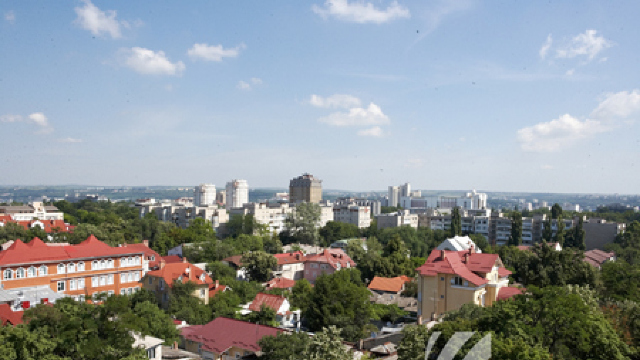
(80, 271)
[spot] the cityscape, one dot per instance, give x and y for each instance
(334, 179)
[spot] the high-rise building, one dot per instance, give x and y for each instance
(237, 193)
(204, 195)
(393, 196)
(305, 188)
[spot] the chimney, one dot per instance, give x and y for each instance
(162, 263)
(466, 258)
(217, 284)
(443, 255)
(146, 243)
(471, 249)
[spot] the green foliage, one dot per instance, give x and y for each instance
(342, 300)
(208, 251)
(481, 242)
(621, 281)
(217, 270)
(151, 320)
(185, 306)
(456, 223)
(242, 225)
(515, 238)
(388, 312)
(547, 231)
(560, 230)
(245, 290)
(289, 346)
(302, 225)
(301, 294)
(334, 231)
(266, 316)
(410, 289)
(390, 209)
(259, 265)
(556, 211)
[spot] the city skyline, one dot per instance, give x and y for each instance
(361, 94)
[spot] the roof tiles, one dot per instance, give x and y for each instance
(223, 333)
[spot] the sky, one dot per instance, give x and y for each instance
(493, 95)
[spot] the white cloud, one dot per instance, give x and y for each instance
(10, 17)
(256, 81)
(10, 118)
(372, 115)
(213, 52)
(545, 47)
(148, 62)
(558, 134)
(99, 22)
(616, 106)
(70, 140)
(335, 101)
(361, 11)
(37, 118)
(375, 131)
(242, 85)
(248, 85)
(570, 72)
(587, 44)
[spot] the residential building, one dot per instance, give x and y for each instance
(150, 259)
(225, 339)
(599, 232)
(383, 285)
(270, 214)
(221, 198)
(393, 199)
(327, 262)
(237, 193)
(449, 279)
(236, 263)
(397, 219)
(80, 271)
(216, 288)
(13, 302)
(597, 257)
(326, 213)
(305, 188)
(459, 243)
(280, 283)
(373, 205)
(152, 345)
(204, 195)
(357, 215)
(285, 317)
(33, 211)
(290, 265)
(161, 281)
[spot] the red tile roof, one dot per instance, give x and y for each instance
(36, 251)
(222, 333)
(597, 257)
(333, 257)
(508, 292)
(235, 260)
(290, 258)
(172, 259)
(393, 285)
(175, 271)
(280, 283)
(268, 300)
(8, 316)
(216, 288)
(47, 225)
(461, 263)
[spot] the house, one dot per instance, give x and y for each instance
(326, 262)
(161, 281)
(151, 259)
(171, 259)
(598, 257)
(449, 279)
(383, 285)
(80, 271)
(290, 265)
(225, 339)
(284, 316)
(236, 263)
(49, 226)
(280, 283)
(152, 345)
(458, 243)
(555, 246)
(216, 288)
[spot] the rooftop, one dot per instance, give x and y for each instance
(222, 333)
(388, 284)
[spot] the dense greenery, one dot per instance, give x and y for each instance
(259, 265)
(325, 345)
(301, 226)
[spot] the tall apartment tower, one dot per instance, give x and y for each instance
(405, 190)
(204, 195)
(393, 196)
(237, 193)
(305, 188)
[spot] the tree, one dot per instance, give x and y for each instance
(576, 237)
(272, 244)
(266, 316)
(621, 281)
(516, 229)
(259, 265)
(289, 346)
(334, 231)
(302, 224)
(342, 300)
(301, 294)
(556, 211)
(185, 306)
(481, 242)
(456, 226)
(150, 320)
(327, 345)
(217, 270)
(560, 230)
(547, 232)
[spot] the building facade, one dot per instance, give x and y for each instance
(237, 193)
(357, 215)
(305, 188)
(204, 195)
(397, 219)
(33, 211)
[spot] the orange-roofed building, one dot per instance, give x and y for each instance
(290, 265)
(217, 288)
(327, 262)
(450, 279)
(161, 281)
(383, 285)
(151, 258)
(80, 271)
(284, 316)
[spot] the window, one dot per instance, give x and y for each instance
(71, 268)
(20, 273)
(123, 278)
(8, 274)
(81, 266)
(129, 291)
(136, 277)
(110, 279)
(103, 264)
(123, 262)
(202, 293)
(151, 353)
(94, 265)
(80, 284)
(81, 298)
(137, 260)
(153, 258)
(456, 281)
(150, 280)
(103, 280)
(31, 272)
(94, 281)
(110, 292)
(130, 277)
(122, 291)
(43, 270)
(441, 296)
(61, 286)
(72, 284)
(130, 262)
(442, 278)
(60, 268)
(110, 263)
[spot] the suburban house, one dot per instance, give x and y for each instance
(284, 316)
(449, 279)
(161, 281)
(236, 263)
(598, 257)
(80, 271)
(326, 262)
(152, 345)
(224, 338)
(459, 243)
(216, 288)
(382, 285)
(290, 265)
(280, 283)
(49, 226)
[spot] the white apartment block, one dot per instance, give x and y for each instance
(204, 195)
(352, 214)
(326, 213)
(397, 219)
(373, 205)
(393, 198)
(237, 193)
(271, 214)
(32, 211)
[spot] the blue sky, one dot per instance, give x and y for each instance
(492, 95)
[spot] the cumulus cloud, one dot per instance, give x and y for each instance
(37, 118)
(558, 134)
(242, 85)
(335, 101)
(248, 85)
(361, 11)
(99, 22)
(372, 115)
(213, 52)
(588, 44)
(617, 106)
(149, 62)
(9, 118)
(375, 131)
(10, 17)
(545, 47)
(70, 140)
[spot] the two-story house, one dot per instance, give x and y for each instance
(449, 279)
(327, 262)
(285, 317)
(161, 281)
(290, 265)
